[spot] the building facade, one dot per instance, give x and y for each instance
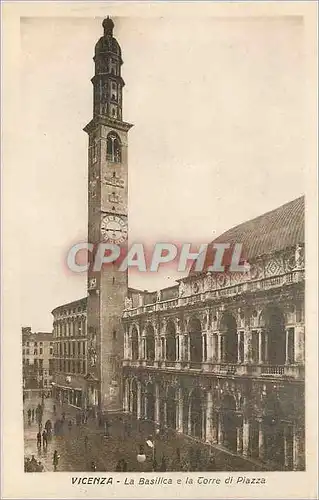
(70, 352)
(222, 359)
(37, 359)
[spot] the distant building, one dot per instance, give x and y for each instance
(37, 359)
(70, 351)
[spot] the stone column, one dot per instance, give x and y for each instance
(287, 347)
(245, 437)
(188, 348)
(238, 347)
(126, 396)
(209, 416)
(220, 429)
(189, 422)
(214, 344)
(266, 347)
(260, 346)
(239, 440)
(165, 412)
(299, 344)
(145, 405)
(157, 404)
(181, 347)
(204, 341)
(261, 441)
(286, 445)
(247, 346)
(180, 411)
(139, 399)
(219, 348)
(298, 449)
(140, 346)
(214, 428)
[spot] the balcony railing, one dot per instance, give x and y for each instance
(224, 369)
(211, 295)
(272, 370)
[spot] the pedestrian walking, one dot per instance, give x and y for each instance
(86, 440)
(39, 439)
(55, 460)
(93, 466)
(63, 416)
(32, 414)
(107, 426)
(54, 410)
(70, 425)
(121, 466)
(48, 428)
(45, 438)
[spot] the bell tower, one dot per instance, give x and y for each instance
(107, 222)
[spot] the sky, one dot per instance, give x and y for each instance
(218, 113)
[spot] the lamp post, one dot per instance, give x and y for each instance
(151, 443)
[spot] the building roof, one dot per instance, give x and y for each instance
(271, 232)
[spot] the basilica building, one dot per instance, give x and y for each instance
(219, 356)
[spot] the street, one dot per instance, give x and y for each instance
(81, 445)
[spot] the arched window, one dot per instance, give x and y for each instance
(113, 147)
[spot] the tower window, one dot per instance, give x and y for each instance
(114, 335)
(113, 147)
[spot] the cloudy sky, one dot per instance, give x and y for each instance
(217, 107)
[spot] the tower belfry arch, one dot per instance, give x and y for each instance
(107, 222)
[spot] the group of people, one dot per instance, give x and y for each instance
(35, 414)
(32, 465)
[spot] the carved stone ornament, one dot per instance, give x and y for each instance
(113, 180)
(128, 303)
(92, 284)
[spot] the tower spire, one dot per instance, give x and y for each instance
(108, 26)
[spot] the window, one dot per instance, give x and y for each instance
(41, 343)
(113, 147)
(35, 352)
(83, 348)
(41, 350)
(35, 344)
(28, 352)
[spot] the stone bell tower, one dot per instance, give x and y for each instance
(107, 222)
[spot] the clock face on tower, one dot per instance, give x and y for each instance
(113, 229)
